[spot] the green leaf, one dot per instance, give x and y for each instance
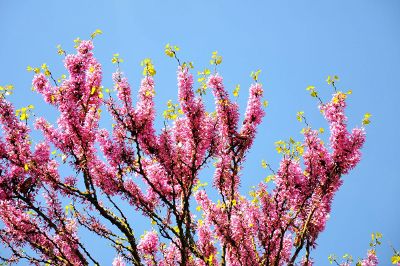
(300, 116)
(269, 178)
(329, 80)
(310, 88)
(148, 69)
(366, 120)
(254, 75)
(95, 33)
(77, 41)
(395, 259)
(215, 58)
(169, 51)
(264, 164)
(236, 91)
(331, 258)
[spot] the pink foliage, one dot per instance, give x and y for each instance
(158, 176)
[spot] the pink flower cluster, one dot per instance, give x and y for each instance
(149, 243)
(370, 260)
(159, 175)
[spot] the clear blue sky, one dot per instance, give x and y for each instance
(295, 43)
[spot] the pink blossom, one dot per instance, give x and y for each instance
(118, 261)
(371, 259)
(149, 243)
(159, 175)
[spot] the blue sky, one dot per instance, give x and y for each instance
(295, 43)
